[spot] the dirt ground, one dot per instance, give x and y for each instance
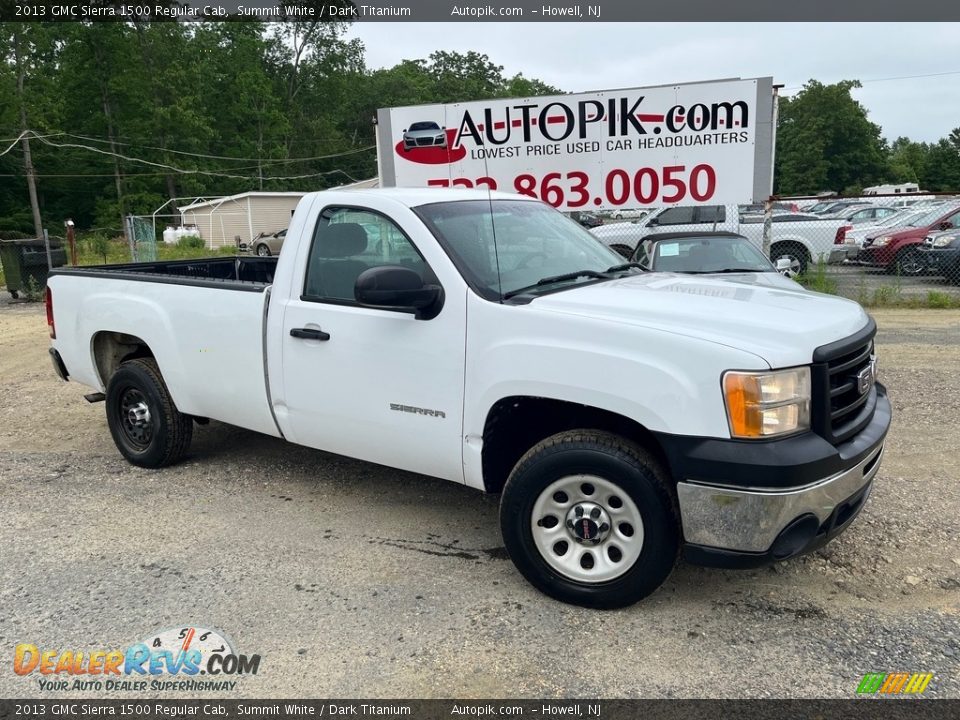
(354, 580)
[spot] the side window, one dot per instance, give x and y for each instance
(676, 216)
(643, 253)
(348, 241)
(712, 213)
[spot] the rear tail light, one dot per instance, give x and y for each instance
(841, 235)
(48, 301)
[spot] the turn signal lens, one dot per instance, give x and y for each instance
(761, 405)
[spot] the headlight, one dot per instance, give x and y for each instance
(944, 240)
(766, 404)
(881, 241)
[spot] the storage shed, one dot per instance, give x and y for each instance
(222, 220)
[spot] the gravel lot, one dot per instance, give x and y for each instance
(354, 580)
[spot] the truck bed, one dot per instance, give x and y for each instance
(252, 274)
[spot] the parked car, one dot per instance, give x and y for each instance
(623, 416)
(799, 241)
(867, 214)
(265, 245)
(710, 253)
(760, 208)
(424, 134)
(834, 206)
(587, 219)
(899, 251)
(940, 253)
(628, 213)
(855, 237)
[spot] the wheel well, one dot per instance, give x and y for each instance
(791, 243)
(516, 424)
(110, 349)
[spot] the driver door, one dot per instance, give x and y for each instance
(369, 383)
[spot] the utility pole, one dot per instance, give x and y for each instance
(24, 139)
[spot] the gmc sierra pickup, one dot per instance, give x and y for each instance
(624, 416)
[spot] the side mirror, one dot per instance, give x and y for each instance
(783, 265)
(404, 130)
(651, 222)
(395, 287)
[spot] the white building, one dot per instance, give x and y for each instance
(222, 221)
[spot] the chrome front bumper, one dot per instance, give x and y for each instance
(751, 520)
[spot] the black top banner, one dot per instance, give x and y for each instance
(588, 11)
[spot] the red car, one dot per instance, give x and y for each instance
(900, 251)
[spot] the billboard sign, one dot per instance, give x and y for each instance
(709, 143)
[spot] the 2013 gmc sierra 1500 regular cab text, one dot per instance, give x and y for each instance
(484, 338)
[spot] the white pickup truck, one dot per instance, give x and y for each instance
(796, 240)
(624, 416)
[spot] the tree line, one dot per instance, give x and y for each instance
(126, 116)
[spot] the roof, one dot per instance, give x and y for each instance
(693, 234)
(413, 197)
(240, 196)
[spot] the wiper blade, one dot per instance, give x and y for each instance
(736, 270)
(625, 266)
(558, 278)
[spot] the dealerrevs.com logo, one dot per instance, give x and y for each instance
(186, 658)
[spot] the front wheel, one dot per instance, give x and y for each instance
(588, 518)
(794, 253)
(146, 426)
(263, 250)
(908, 261)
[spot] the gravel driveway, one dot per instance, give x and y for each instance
(354, 580)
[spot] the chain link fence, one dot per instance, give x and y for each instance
(877, 250)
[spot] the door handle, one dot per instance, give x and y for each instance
(309, 334)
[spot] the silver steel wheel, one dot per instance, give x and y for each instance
(263, 250)
(587, 529)
(795, 264)
(136, 421)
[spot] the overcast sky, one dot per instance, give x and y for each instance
(578, 57)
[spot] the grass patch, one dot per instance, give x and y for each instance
(817, 279)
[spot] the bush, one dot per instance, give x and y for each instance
(191, 241)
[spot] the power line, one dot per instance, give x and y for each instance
(214, 157)
(888, 79)
(184, 171)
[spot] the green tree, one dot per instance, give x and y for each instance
(826, 141)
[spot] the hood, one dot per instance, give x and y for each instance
(762, 313)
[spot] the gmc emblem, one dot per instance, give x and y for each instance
(867, 377)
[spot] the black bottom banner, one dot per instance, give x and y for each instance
(854, 709)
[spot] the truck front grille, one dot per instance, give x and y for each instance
(839, 408)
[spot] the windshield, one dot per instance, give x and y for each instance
(501, 246)
(707, 255)
(424, 126)
(928, 218)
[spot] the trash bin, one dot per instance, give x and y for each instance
(26, 260)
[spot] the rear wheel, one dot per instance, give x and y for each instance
(263, 250)
(908, 261)
(146, 426)
(588, 518)
(795, 253)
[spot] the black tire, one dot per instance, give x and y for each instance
(165, 434)
(615, 461)
(624, 250)
(795, 252)
(262, 250)
(14, 294)
(908, 262)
